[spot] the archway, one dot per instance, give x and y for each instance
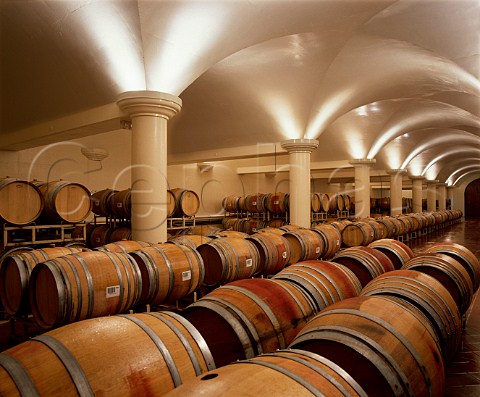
(472, 199)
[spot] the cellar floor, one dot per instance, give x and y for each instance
(463, 373)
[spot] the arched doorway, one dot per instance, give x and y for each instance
(472, 199)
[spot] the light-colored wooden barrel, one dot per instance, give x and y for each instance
(191, 240)
(347, 202)
(461, 254)
(171, 204)
(449, 272)
(121, 203)
(357, 233)
(124, 246)
(230, 203)
(336, 202)
(305, 244)
(65, 201)
(387, 349)
(398, 252)
(332, 239)
(315, 202)
(285, 373)
(125, 355)
(187, 202)
(84, 285)
(205, 230)
(230, 233)
(429, 296)
(325, 282)
(274, 252)
(21, 202)
(367, 263)
(169, 272)
(15, 273)
(324, 202)
(101, 202)
(227, 259)
(249, 317)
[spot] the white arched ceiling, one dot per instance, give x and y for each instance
(357, 75)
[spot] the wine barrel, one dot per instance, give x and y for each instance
(204, 230)
(304, 244)
(325, 282)
(336, 202)
(315, 204)
(256, 203)
(347, 202)
(449, 272)
(273, 250)
(120, 233)
(100, 235)
(357, 233)
(21, 202)
(191, 240)
(286, 373)
(386, 348)
(124, 246)
(124, 355)
(379, 229)
(187, 202)
(15, 275)
(230, 233)
(121, 203)
(169, 272)
(341, 224)
(365, 262)
(324, 202)
(276, 203)
(390, 224)
(84, 285)
(461, 254)
(65, 201)
(227, 259)
(230, 203)
(248, 317)
(430, 297)
(101, 204)
(398, 252)
(253, 225)
(332, 239)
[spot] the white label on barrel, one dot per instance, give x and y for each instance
(284, 254)
(249, 262)
(119, 205)
(276, 202)
(254, 203)
(113, 291)
(186, 275)
(317, 250)
(254, 229)
(97, 239)
(338, 243)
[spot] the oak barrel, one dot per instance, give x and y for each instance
(386, 348)
(169, 272)
(84, 285)
(248, 317)
(304, 244)
(273, 250)
(398, 252)
(187, 202)
(21, 202)
(125, 355)
(15, 273)
(357, 233)
(124, 246)
(101, 204)
(121, 203)
(332, 239)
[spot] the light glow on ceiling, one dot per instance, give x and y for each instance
(450, 179)
(355, 143)
(123, 51)
(192, 31)
(282, 114)
(464, 175)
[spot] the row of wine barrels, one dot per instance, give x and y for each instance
(387, 349)
(15, 271)
(286, 373)
(412, 287)
(103, 234)
(124, 355)
(21, 202)
(108, 202)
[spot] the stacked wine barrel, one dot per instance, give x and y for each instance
(376, 320)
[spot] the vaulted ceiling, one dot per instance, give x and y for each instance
(397, 81)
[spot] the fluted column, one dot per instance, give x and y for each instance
(432, 196)
(395, 191)
(442, 196)
(417, 192)
(362, 186)
(299, 158)
(149, 111)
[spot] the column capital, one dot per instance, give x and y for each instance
(416, 177)
(300, 145)
(360, 162)
(149, 103)
(440, 184)
(432, 181)
(393, 171)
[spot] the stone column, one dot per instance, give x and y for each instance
(299, 158)
(396, 191)
(362, 186)
(442, 196)
(417, 192)
(450, 195)
(432, 196)
(149, 111)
